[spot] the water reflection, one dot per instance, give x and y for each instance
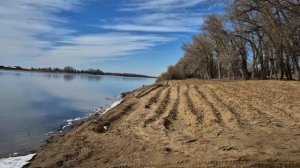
(48, 75)
(69, 77)
(92, 77)
(44, 100)
(17, 74)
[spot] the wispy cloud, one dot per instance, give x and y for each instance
(97, 47)
(34, 33)
(26, 26)
(31, 33)
(146, 28)
(161, 5)
(166, 16)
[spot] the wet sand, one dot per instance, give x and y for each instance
(190, 123)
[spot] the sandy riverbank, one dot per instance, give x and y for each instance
(187, 124)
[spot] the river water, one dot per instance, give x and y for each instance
(35, 105)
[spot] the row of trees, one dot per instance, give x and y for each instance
(257, 39)
(69, 69)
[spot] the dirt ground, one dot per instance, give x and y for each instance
(189, 123)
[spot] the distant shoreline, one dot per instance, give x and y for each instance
(70, 70)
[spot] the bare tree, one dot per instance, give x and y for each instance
(262, 38)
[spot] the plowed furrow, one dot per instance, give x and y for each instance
(258, 112)
(161, 108)
(227, 107)
(186, 120)
(154, 99)
(191, 106)
(253, 93)
(146, 92)
(105, 125)
(268, 101)
(165, 82)
(217, 114)
(268, 118)
(249, 113)
(265, 87)
(209, 118)
(168, 121)
(266, 108)
(142, 90)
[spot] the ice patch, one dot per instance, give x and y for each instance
(71, 121)
(14, 154)
(100, 110)
(49, 133)
(112, 106)
(15, 162)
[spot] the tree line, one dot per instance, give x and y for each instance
(255, 39)
(69, 69)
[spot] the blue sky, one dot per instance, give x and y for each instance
(135, 36)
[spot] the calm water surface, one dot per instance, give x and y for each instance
(34, 104)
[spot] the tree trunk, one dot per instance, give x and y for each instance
(219, 70)
(296, 67)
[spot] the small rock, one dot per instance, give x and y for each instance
(192, 140)
(168, 149)
(228, 148)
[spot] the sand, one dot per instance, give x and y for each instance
(190, 123)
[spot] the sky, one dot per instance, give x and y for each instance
(134, 36)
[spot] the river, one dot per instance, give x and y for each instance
(35, 105)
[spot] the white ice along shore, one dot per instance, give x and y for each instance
(99, 111)
(112, 106)
(16, 162)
